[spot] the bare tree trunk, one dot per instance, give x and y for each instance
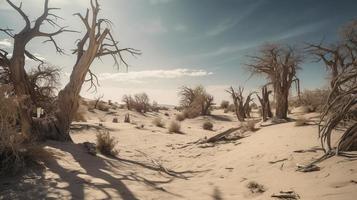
(265, 104)
(22, 87)
(282, 95)
(97, 42)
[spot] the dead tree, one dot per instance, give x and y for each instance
(341, 107)
(97, 100)
(141, 103)
(207, 104)
(241, 105)
(265, 103)
(279, 64)
(96, 43)
(129, 101)
(341, 110)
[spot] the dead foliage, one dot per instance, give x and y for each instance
(158, 122)
(175, 127)
(207, 126)
(106, 143)
(255, 187)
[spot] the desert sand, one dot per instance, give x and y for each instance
(155, 164)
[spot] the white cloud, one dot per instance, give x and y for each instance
(138, 76)
(6, 43)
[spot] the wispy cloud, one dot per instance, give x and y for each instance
(138, 76)
(295, 32)
(6, 43)
(180, 28)
(154, 26)
(160, 1)
(229, 23)
(222, 27)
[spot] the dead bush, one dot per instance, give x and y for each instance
(313, 99)
(249, 126)
(115, 120)
(255, 187)
(195, 101)
(106, 144)
(207, 126)
(180, 117)
(158, 122)
(175, 127)
(224, 104)
(15, 153)
(192, 112)
(103, 106)
(301, 121)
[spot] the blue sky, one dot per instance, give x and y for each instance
(191, 42)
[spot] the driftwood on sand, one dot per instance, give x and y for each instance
(286, 195)
(222, 136)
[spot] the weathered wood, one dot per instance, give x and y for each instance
(220, 136)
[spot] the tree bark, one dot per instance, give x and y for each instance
(282, 95)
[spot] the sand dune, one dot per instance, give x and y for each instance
(153, 164)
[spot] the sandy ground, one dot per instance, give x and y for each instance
(154, 164)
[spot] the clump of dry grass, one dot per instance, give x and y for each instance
(180, 117)
(11, 159)
(249, 126)
(15, 151)
(175, 127)
(301, 121)
(255, 187)
(106, 144)
(158, 122)
(207, 125)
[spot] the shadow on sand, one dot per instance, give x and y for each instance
(72, 183)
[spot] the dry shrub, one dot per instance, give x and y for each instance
(175, 127)
(15, 154)
(195, 101)
(106, 144)
(207, 126)
(115, 120)
(224, 104)
(180, 117)
(249, 126)
(313, 99)
(301, 121)
(103, 107)
(11, 159)
(158, 122)
(255, 187)
(230, 108)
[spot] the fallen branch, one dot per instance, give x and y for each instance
(221, 136)
(307, 168)
(161, 168)
(286, 195)
(281, 160)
